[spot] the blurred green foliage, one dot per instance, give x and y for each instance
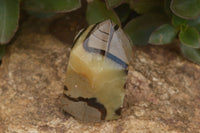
(157, 22)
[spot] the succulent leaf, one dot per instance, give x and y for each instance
(187, 9)
(145, 6)
(52, 5)
(140, 28)
(9, 15)
(195, 23)
(177, 21)
(97, 12)
(191, 53)
(113, 3)
(164, 34)
(190, 36)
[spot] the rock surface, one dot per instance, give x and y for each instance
(162, 95)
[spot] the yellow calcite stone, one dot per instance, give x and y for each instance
(95, 78)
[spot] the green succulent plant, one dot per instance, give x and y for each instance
(10, 12)
(176, 19)
(156, 22)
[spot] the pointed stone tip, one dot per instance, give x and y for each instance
(108, 22)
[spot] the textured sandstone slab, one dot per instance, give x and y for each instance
(162, 95)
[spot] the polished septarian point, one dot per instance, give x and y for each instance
(97, 73)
